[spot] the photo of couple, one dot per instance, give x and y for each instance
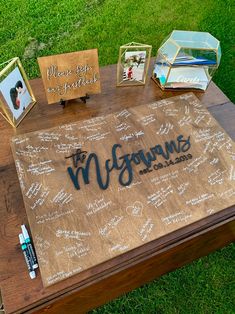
(15, 93)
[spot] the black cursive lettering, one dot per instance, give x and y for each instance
(123, 163)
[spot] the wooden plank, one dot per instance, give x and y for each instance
(136, 183)
(221, 114)
(70, 75)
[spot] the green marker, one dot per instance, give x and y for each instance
(32, 273)
(29, 247)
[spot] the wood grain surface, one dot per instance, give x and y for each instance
(105, 281)
(136, 183)
(70, 75)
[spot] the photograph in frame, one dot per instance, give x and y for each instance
(16, 96)
(133, 64)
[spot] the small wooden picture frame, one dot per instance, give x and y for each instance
(16, 96)
(133, 64)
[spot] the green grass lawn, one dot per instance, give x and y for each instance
(34, 28)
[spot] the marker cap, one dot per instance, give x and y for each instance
(32, 274)
(21, 238)
(25, 232)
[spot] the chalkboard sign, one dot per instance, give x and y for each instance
(70, 75)
(98, 188)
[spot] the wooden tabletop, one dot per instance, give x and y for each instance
(19, 292)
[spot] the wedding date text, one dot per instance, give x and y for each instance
(166, 163)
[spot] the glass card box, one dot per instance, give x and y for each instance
(187, 60)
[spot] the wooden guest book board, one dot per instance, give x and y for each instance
(141, 174)
(70, 75)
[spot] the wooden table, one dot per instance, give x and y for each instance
(106, 281)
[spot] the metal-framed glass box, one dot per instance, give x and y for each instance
(187, 60)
